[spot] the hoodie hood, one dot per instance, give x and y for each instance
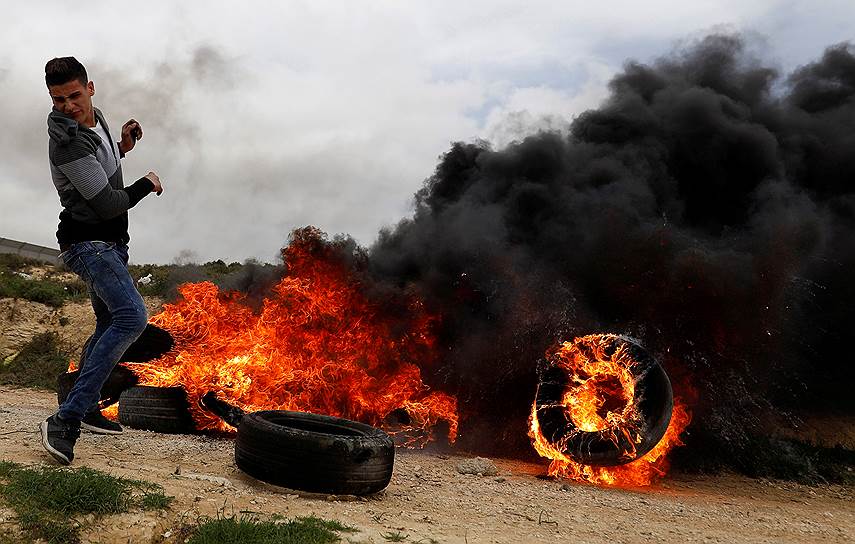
(62, 128)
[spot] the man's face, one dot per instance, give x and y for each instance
(75, 100)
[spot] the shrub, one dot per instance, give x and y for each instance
(11, 261)
(38, 363)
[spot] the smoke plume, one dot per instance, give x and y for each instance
(707, 208)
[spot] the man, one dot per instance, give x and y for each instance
(93, 238)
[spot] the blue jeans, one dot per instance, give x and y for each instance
(120, 318)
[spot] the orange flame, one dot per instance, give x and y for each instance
(599, 396)
(111, 412)
(317, 345)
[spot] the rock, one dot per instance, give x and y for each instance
(479, 466)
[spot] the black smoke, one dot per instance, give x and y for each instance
(707, 208)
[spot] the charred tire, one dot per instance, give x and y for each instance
(120, 379)
(316, 453)
(151, 344)
(654, 400)
(159, 409)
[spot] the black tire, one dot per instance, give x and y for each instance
(159, 409)
(120, 379)
(151, 344)
(654, 400)
(316, 453)
(229, 413)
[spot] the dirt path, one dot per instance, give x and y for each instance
(428, 498)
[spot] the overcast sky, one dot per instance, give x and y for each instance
(274, 115)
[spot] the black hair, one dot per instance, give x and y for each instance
(64, 69)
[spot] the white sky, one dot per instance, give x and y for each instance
(261, 117)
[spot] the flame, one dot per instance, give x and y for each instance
(596, 382)
(600, 395)
(317, 345)
(111, 412)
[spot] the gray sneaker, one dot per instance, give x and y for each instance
(58, 438)
(95, 422)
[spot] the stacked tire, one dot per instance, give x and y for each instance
(159, 409)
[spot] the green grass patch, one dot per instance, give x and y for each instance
(15, 282)
(249, 529)
(49, 502)
(45, 290)
(38, 363)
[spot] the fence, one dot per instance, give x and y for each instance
(41, 253)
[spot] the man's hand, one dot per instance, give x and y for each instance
(158, 188)
(131, 132)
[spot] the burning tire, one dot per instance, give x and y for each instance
(151, 344)
(159, 409)
(602, 400)
(120, 379)
(315, 453)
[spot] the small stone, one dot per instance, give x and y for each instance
(479, 465)
(500, 479)
(566, 487)
(177, 470)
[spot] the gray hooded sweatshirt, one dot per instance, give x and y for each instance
(88, 178)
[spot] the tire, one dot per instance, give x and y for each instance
(120, 379)
(158, 409)
(229, 413)
(151, 344)
(654, 401)
(315, 453)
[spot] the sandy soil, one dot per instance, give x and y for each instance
(20, 320)
(428, 498)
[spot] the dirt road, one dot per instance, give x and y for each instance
(429, 499)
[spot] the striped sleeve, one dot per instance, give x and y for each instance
(77, 161)
(86, 174)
